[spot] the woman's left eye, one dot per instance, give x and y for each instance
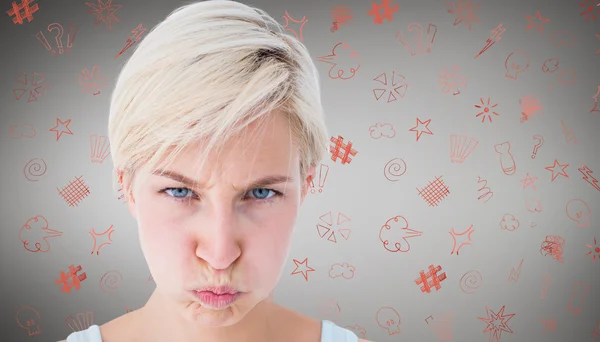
(262, 193)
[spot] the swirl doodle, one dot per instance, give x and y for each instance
(394, 169)
(34, 168)
(470, 282)
(111, 281)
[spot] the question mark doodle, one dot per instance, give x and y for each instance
(540, 142)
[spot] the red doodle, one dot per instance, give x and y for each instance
(60, 48)
(416, 46)
(422, 127)
(554, 169)
(595, 97)
(329, 309)
(528, 181)
(493, 39)
(540, 22)
(136, 36)
(302, 268)
(92, 81)
(394, 234)
(461, 148)
(550, 65)
(341, 15)
(297, 32)
(394, 169)
(341, 270)
(547, 279)
(111, 281)
(341, 151)
(464, 12)
(566, 77)
(530, 105)
(568, 132)
(509, 222)
(577, 299)
(75, 192)
(379, 130)
(99, 148)
(507, 160)
(553, 246)
(539, 142)
(579, 212)
(587, 176)
(101, 239)
(589, 11)
(62, 127)
(376, 11)
(34, 234)
(388, 319)
(29, 319)
(82, 321)
(549, 324)
(452, 80)
(497, 322)
(19, 131)
(323, 172)
(36, 87)
(470, 282)
(434, 192)
(486, 110)
(343, 60)
(22, 12)
(516, 63)
(533, 205)
(485, 193)
(594, 250)
(562, 38)
(71, 280)
(104, 12)
(431, 279)
(327, 231)
(34, 169)
(396, 87)
(441, 324)
(357, 330)
(596, 331)
(515, 274)
(461, 239)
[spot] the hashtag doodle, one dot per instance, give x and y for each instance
(74, 192)
(26, 14)
(434, 192)
(71, 280)
(341, 151)
(431, 279)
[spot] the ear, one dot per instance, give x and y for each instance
(307, 182)
(126, 182)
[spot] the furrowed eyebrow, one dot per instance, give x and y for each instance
(259, 183)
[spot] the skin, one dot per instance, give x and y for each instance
(229, 231)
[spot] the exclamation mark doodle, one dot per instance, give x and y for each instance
(323, 171)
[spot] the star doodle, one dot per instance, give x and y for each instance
(101, 236)
(553, 168)
(528, 181)
(460, 239)
(421, 127)
(539, 26)
(106, 18)
(302, 268)
(299, 34)
(64, 128)
(464, 12)
(496, 323)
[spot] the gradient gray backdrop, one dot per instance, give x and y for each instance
(358, 190)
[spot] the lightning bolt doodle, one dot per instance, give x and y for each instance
(493, 39)
(136, 34)
(514, 275)
(587, 176)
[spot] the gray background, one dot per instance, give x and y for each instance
(358, 190)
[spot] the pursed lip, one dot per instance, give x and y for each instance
(218, 290)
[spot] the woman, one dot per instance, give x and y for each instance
(216, 127)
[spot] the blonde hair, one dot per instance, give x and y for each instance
(205, 73)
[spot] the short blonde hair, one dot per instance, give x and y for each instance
(205, 73)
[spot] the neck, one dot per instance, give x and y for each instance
(169, 325)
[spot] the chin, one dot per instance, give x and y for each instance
(208, 317)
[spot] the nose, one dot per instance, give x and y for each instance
(218, 243)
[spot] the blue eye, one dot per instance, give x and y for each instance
(178, 193)
(261, 193)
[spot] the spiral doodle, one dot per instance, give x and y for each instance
(34, 168)
(394, 169)
(470, 282)
(111, 281)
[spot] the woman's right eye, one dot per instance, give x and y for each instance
(179, 193)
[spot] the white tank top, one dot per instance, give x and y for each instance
(329, 333)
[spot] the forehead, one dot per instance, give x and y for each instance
(260, 148)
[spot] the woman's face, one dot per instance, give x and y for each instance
(228, 233)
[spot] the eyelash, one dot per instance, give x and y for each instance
(269, 200)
